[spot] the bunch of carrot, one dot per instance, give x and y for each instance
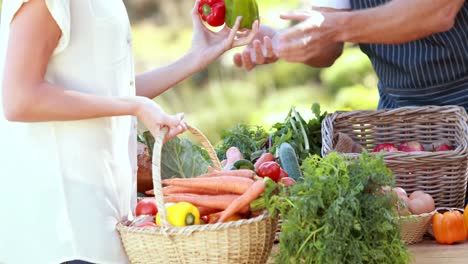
(222, 194)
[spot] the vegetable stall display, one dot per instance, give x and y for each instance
(340, 208)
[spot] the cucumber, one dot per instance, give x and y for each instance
(243, 164)
(289, 161)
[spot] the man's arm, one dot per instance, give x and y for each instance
(398, 21)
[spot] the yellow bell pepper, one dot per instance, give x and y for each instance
(181, 214)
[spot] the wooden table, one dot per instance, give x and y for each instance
(429, 252)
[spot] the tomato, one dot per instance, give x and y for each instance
(205, 219)
(288, 181)
(146, 206)
(283, 174)
(144, 224)
(270, 169)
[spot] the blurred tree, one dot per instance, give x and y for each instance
(175, 12)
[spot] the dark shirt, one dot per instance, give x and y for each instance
(429, 71)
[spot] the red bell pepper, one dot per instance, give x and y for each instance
(212, 11)
(270, 169)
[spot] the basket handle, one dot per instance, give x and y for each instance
(156, 165)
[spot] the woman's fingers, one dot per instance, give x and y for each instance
(232, 33)
(196, 19)
(248, 39)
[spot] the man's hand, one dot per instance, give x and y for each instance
(260, 51)
(309, 40)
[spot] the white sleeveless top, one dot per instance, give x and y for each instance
(65, 185)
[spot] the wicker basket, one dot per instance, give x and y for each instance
(242, 241)
(441, 174)
(413, 227)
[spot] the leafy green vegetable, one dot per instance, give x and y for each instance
(248, 139)
(304, 137)
(338, 215)
(252, 141)
(180, 157)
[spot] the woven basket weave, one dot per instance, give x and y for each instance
(442, 174)
(242, 241)
(413, 227)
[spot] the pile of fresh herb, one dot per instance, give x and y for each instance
(248, 139)
(304, 136)
(337, 214)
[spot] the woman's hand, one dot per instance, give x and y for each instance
(210, 45)
(260, 51)
(154, 118)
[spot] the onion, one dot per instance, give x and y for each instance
(400, 192)
(416, 194)
(421, 204)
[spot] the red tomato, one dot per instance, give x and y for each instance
(205, 219)
(270, 169)
(283, 173)
(288, 181)
(146, 206)
(152, 224)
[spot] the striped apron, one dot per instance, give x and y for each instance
(429, 71)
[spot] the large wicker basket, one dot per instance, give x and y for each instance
(441, 174)
(243, 241)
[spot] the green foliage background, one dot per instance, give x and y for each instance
(223, 95)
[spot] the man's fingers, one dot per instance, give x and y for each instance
(247, 60)
(267, 43)
(297, 15)
(258, 51)
(292, 48)
(238, 60)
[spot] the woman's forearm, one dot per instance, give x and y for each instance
(398, 21)
(48, 102)
(153, 83)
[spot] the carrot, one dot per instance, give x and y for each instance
(207, 211)
(213, 218)
(255, 190)
(220, 202)
(232, 184)
(178, 189)
(239, 173)
(264, 158)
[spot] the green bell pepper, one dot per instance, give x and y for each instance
(248, 9)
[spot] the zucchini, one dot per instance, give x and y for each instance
(243, 164)
(289, 161)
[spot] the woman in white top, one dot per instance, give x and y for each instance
(68, 102)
